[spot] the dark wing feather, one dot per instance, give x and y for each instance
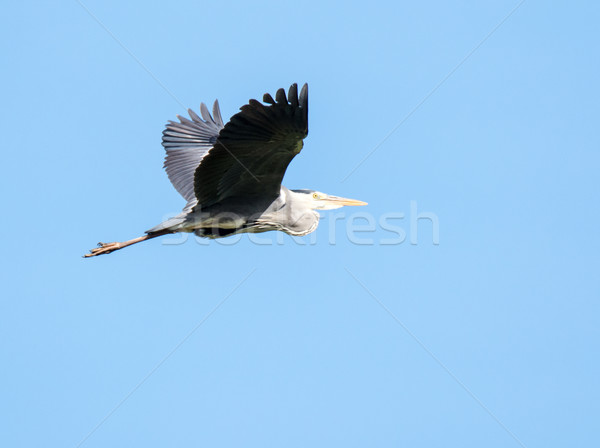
(254, 149)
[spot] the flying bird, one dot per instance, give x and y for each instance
(230, 175)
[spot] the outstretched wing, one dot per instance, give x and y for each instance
(187, 143)
(254, 149)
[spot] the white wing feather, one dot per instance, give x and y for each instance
(186, 143)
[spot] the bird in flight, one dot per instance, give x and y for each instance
(230, 175)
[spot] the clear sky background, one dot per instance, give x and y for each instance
(492, 332)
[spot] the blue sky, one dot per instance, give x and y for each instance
(489, 338)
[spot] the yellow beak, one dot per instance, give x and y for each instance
(343, 201)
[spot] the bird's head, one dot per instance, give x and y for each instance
(322, 201)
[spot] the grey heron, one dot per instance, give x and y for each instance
(230, 175)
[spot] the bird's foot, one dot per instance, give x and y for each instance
(103, 248)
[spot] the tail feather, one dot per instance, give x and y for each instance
(173, 224)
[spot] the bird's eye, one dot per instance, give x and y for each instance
(315, 196)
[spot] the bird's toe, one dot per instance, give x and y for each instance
(103, 248)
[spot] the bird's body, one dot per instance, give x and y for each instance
(230, 175)
(256, 214)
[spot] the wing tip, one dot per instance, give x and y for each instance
(303, 97)
(280, 97)
(293, 98)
